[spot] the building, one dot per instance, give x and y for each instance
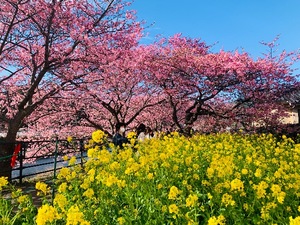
(292, 101)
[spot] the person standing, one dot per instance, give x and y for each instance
(149, 133)
(119, 137)
(141, 132)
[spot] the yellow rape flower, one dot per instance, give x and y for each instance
(220, 220)
(209, 196)
(3, 182)
(111, 180)
(265, 215)
(281, 197)
(121, 220)
(98, 136)
(174, 191)
(210, 172)
(196, 166)
(150, 176)
(245, 206)
(69, 139)
(295, 221)
(244, 171)
(114, 166)
(261, 189)
(75, 216)
(121, 183)
(61, 201)
(159, 186)
(72, 161)
(188, 161)
(63, 173)
(23, 199)
(86, 183)
(91, 152)
(62, 187)
(175, 168)
(164, 208)
(196, 176)
(191, 200)
(205, 183)
(258, 173)
(91, 174)
(276, 189)
(227, 200)
(132, 169)
(237, 185)
(46, 214)
(131, 135)
(173, 208)
(41, 186)
(89, 193)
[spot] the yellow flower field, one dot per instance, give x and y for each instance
(205, 179)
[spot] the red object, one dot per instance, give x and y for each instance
(14, 157)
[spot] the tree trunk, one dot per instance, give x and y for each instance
(6, 151)
(7, 146)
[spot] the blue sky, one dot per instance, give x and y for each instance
(231, 24)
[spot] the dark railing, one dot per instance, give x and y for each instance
(43, 157)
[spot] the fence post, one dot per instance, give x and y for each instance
(81, 148)
(55, 165)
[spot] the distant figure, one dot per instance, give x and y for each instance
(141, 132)
(149, 133)
(119, 138)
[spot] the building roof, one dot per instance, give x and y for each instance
(292, 97)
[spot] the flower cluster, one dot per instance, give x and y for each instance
(205, 179)
(3, 182)
(42, 188)
(98, 136)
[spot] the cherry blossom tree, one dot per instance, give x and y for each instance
(227, 86)
(49, 46)
(126, 92)
(118, 91)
